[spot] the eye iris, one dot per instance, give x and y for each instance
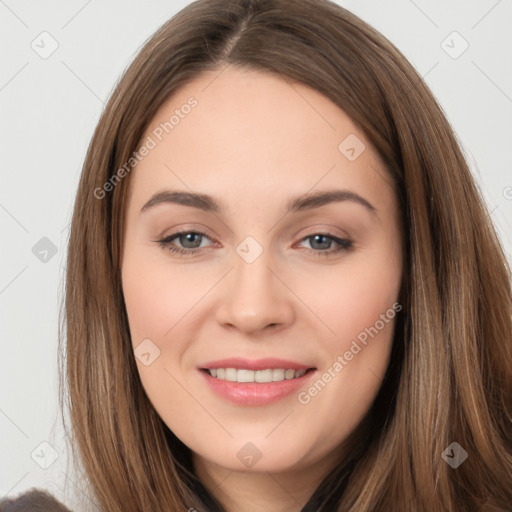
(193, 238)
(323, 242)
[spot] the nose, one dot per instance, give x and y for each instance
(254, 299)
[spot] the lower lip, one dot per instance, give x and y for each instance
(251, 393)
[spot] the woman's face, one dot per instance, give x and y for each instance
(286, 272)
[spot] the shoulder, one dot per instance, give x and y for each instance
(34, 500)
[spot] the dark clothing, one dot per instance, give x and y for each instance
(35, 500)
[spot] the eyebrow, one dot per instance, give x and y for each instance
(295, 204)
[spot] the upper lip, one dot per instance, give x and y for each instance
(255, 364)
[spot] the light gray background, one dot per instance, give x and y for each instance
(49, 108)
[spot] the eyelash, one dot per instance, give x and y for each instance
(344, 244)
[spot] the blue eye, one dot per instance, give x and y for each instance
(191, 243)
(321, 244)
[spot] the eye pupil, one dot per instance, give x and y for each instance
(189, 242)
(324, 242)
(190, 237)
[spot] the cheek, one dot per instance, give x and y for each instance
(157, 297)
(158, 301)
(351, 299)
(358, 306)
(363, 298)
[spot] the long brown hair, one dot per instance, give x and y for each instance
(450, 379)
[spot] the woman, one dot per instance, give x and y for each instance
(246, 372)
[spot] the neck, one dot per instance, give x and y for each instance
(251, 491)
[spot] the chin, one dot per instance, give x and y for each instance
(258, 456)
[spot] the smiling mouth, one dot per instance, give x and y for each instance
(268, 375)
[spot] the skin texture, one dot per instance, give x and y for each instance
(253, 141)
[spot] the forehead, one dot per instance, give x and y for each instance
(251, 132)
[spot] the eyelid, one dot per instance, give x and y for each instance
(343, 244)
(166, 242)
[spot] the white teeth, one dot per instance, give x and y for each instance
(231, 374)
(289, 374)
(277, 375)
(263, 375)
(243, 375)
